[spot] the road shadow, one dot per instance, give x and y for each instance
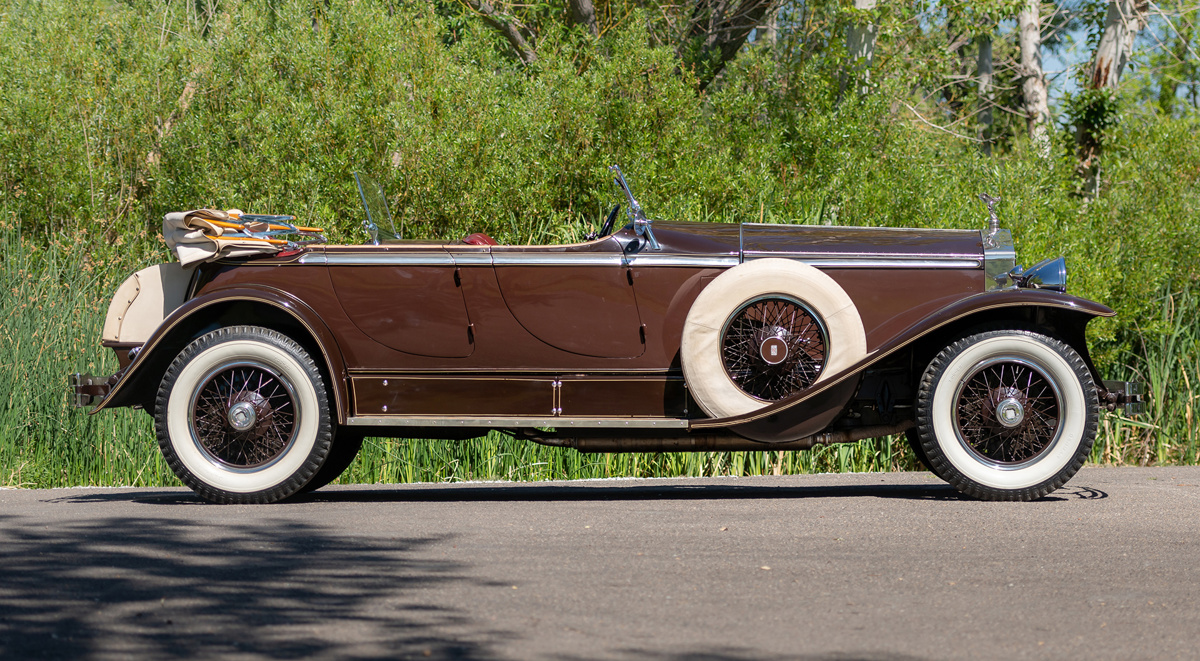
(158, 588)
(743, 654)
(594, 491)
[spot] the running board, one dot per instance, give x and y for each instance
(507, 422)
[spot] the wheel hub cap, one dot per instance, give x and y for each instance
(1007, 412)
(242, 416)
(1010, 413)
(773, 347)
(774, 350)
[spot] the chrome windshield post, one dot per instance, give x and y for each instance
(642, 226)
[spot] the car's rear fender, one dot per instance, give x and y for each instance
(252, 305)
(1061, 316)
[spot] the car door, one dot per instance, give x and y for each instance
(576, 298)
(408, 299)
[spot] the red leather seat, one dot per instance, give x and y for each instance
(479, 239)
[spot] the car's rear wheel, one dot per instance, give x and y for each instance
(1007, 414)
(764, 331)
(242, 416)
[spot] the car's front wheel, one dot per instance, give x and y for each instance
(1007, 414)
(242, 416)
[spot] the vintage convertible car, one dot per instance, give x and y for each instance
(266, 360)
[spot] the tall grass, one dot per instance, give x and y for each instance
(1168, 366)
(51, 312)
(53, 304)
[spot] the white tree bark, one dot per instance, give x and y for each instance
(987, 100)
(860, 42)
(1125, 18)
(1033, 87)
(860, 48)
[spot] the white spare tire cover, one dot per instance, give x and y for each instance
(703, 331)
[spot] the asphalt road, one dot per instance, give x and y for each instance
(811, 567)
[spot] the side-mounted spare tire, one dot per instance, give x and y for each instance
(764, 331)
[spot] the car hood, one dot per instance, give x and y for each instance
(756, 240)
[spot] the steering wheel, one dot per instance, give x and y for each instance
(607, 228)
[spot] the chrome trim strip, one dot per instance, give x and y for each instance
(533, 372)
(705, 261)
(558, 259)
(999, 258)
(812, 254)
(507, 422)
(471, 258)
(855, 228)
(827, 260)
(868, 263)
(391, 259)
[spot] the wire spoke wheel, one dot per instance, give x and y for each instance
(774, 347)
(244, 416)
(1007, 412)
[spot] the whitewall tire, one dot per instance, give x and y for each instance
(764, 331)
(1007, 414)
(242, 416)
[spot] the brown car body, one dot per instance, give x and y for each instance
(579, 345)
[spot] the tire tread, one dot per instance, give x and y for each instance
(941, 466)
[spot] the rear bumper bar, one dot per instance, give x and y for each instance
(87, 390)
(1123, 396)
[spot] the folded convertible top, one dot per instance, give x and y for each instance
(205, 235)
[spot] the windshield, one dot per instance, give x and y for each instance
(378, 224)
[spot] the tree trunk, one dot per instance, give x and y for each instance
(770, 31)
(986, 96)
(583, 12)
(510, 27)
(1125, 18)
(1033, 86)
(860, 49)
(718, 29)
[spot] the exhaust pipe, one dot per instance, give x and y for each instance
(717, 443)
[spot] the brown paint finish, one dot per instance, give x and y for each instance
(122, 349)
(827, 240)
(453, 396)
(675, 238)
(585, 310)
(885, 297)
(414, 309)
(646, 397)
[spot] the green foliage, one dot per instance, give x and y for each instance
(112, 114)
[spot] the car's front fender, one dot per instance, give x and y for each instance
(809, 412)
